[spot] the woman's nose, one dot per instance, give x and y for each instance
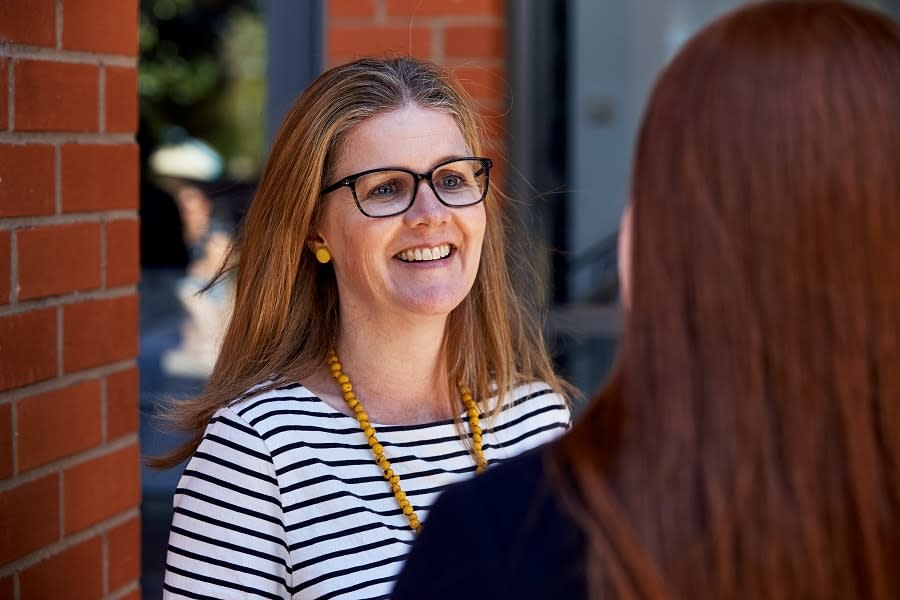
(426, 207)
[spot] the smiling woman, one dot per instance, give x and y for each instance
(374, 237)
(380, 263)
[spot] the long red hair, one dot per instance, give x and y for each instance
(748, 443)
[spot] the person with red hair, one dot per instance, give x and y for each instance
(747, 444)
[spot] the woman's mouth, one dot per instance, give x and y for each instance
(425, 254)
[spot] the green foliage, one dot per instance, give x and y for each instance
(202, 71)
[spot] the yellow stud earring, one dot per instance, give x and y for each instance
(323, 255)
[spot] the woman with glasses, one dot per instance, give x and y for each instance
(378, 350)
(748, 444)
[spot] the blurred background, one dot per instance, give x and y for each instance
(561, 85)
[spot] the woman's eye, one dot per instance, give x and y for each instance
(451, 181)
(385, 189)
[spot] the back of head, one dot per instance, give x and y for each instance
(751, 436)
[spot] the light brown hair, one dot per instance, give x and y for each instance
(285, 317)
(748, 443)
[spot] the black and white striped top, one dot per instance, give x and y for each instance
(283, 499)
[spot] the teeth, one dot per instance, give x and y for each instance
(422, 254)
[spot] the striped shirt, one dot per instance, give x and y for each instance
(283, 499)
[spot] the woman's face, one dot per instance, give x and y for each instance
(375, 260)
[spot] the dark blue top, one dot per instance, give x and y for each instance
(503, 534)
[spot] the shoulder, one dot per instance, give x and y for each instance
(519, 477)
(529, 415)
(254, 417)
(479, 509)
(259, 396)
(266, 408)
(508, 521)
(536, 540)
(534, 396)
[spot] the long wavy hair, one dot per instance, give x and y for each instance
(285, 316)
(748, 443)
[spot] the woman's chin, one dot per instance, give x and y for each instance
(431, 303)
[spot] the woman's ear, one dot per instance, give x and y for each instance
(315, 242)
(624, 251)
(318, 247)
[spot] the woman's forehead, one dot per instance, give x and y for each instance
(411, 137)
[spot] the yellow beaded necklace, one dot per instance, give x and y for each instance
(378, 450)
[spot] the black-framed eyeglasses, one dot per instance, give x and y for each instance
(391, 191)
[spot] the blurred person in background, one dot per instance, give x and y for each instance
(182, 172)
(378, 350)
(748, 443)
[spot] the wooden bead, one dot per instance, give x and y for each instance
(381, 460)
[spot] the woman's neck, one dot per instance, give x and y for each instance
(398, 370)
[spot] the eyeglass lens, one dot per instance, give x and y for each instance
(459, 183)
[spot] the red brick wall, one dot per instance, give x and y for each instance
(467, 36)
(69, 466)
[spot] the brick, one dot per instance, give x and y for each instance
(99, 332)
(26, 180)
(353, 42)
(4, 105)
(482, 83)
(76, 573)
(340, 9)
(101, 26)
(121, 99)
(58, 423)
(32, 23)
(474, 41)
(122, 252)
(6, 588)
(6, 441)
(54, 96)
(124, 554)
(121, 403)
(27, 348)
(99, 177)
(58, 259)
(5, 260)
(101, 488)
(444, 8)
(494, 125)
(29, 518)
